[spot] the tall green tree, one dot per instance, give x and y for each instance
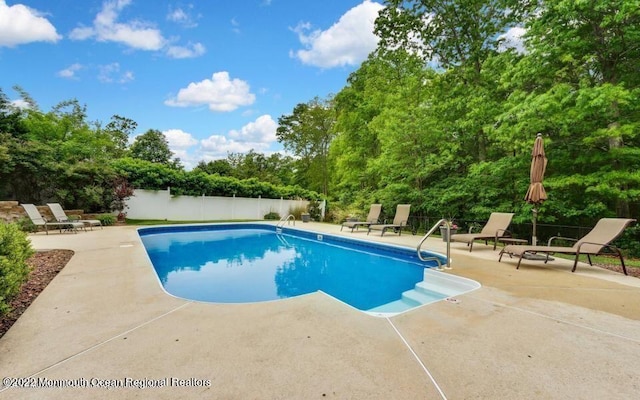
(307, 133)
(457, 37)
(119, 129)
(153, 146)
(578, 84)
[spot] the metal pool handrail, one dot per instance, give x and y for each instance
(286, 219)
(433, 229)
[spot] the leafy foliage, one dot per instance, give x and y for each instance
(153, 146)
(147, 175)
(15, 250)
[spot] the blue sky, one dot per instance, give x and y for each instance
(213, 75)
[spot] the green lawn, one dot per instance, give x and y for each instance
(605, 259)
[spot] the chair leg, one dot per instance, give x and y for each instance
(589, 258)
(520, 260)
(471, 246)
(575, 262)
(624, 267)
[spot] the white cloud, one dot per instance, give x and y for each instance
(257, 135)
(348, 42)
(182, 17)
(110, 73)
(262, 130)
(20, 25)
(190, 51)
(137, 34)
(220, 93)
(20, 104)
(70, 71)
(179, 139)
(512, 39)
(217, 146)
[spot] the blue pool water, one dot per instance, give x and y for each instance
(239, 263)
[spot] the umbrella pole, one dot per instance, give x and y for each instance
(534, 239)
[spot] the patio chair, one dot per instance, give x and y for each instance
(61, 216)
(372, 218)
(593, 243)
(495, 228)
(399, 221)
(39, 221)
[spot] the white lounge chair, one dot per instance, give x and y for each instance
(39, 221)
(61, 216)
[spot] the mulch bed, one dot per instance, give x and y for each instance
(46, 265)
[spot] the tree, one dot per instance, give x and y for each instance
(578, 84)
(307, 133)
(458, 37)
(220, 167)
(119, 129)
(153, 146)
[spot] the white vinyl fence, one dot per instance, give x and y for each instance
(159, 204)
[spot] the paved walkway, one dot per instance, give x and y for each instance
(540, 332)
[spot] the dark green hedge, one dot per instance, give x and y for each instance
(147, 175)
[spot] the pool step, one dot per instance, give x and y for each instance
(422, 296)
(447, 284)
(436, 286)
(395, 306)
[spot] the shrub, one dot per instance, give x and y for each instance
(314, 210)
(15, 250)
(272, 215)
(26, 225)
(106, 219)
(297, 211)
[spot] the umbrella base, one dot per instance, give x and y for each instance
(536, 257)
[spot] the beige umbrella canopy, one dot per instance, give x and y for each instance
(536, 194)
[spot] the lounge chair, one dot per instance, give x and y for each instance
(598, 239)
(372, 218)
(495, 228)
(61, 216)
(399, 221)
(39, 221)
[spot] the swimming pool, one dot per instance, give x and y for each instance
(249, 262)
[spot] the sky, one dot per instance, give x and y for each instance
(213, 75)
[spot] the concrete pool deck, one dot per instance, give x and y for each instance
(539, 332)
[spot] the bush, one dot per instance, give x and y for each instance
(26, 225)
(15, 250)
(314, 210)
(272, 215)
(106, 219)
(297, 211)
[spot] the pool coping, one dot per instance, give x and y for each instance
(540, 331)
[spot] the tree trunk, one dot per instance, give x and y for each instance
(622, 206)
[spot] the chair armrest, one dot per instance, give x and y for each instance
(552, 238)
(598, 244)
(505, 232)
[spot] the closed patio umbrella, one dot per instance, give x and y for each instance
(536, 194)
